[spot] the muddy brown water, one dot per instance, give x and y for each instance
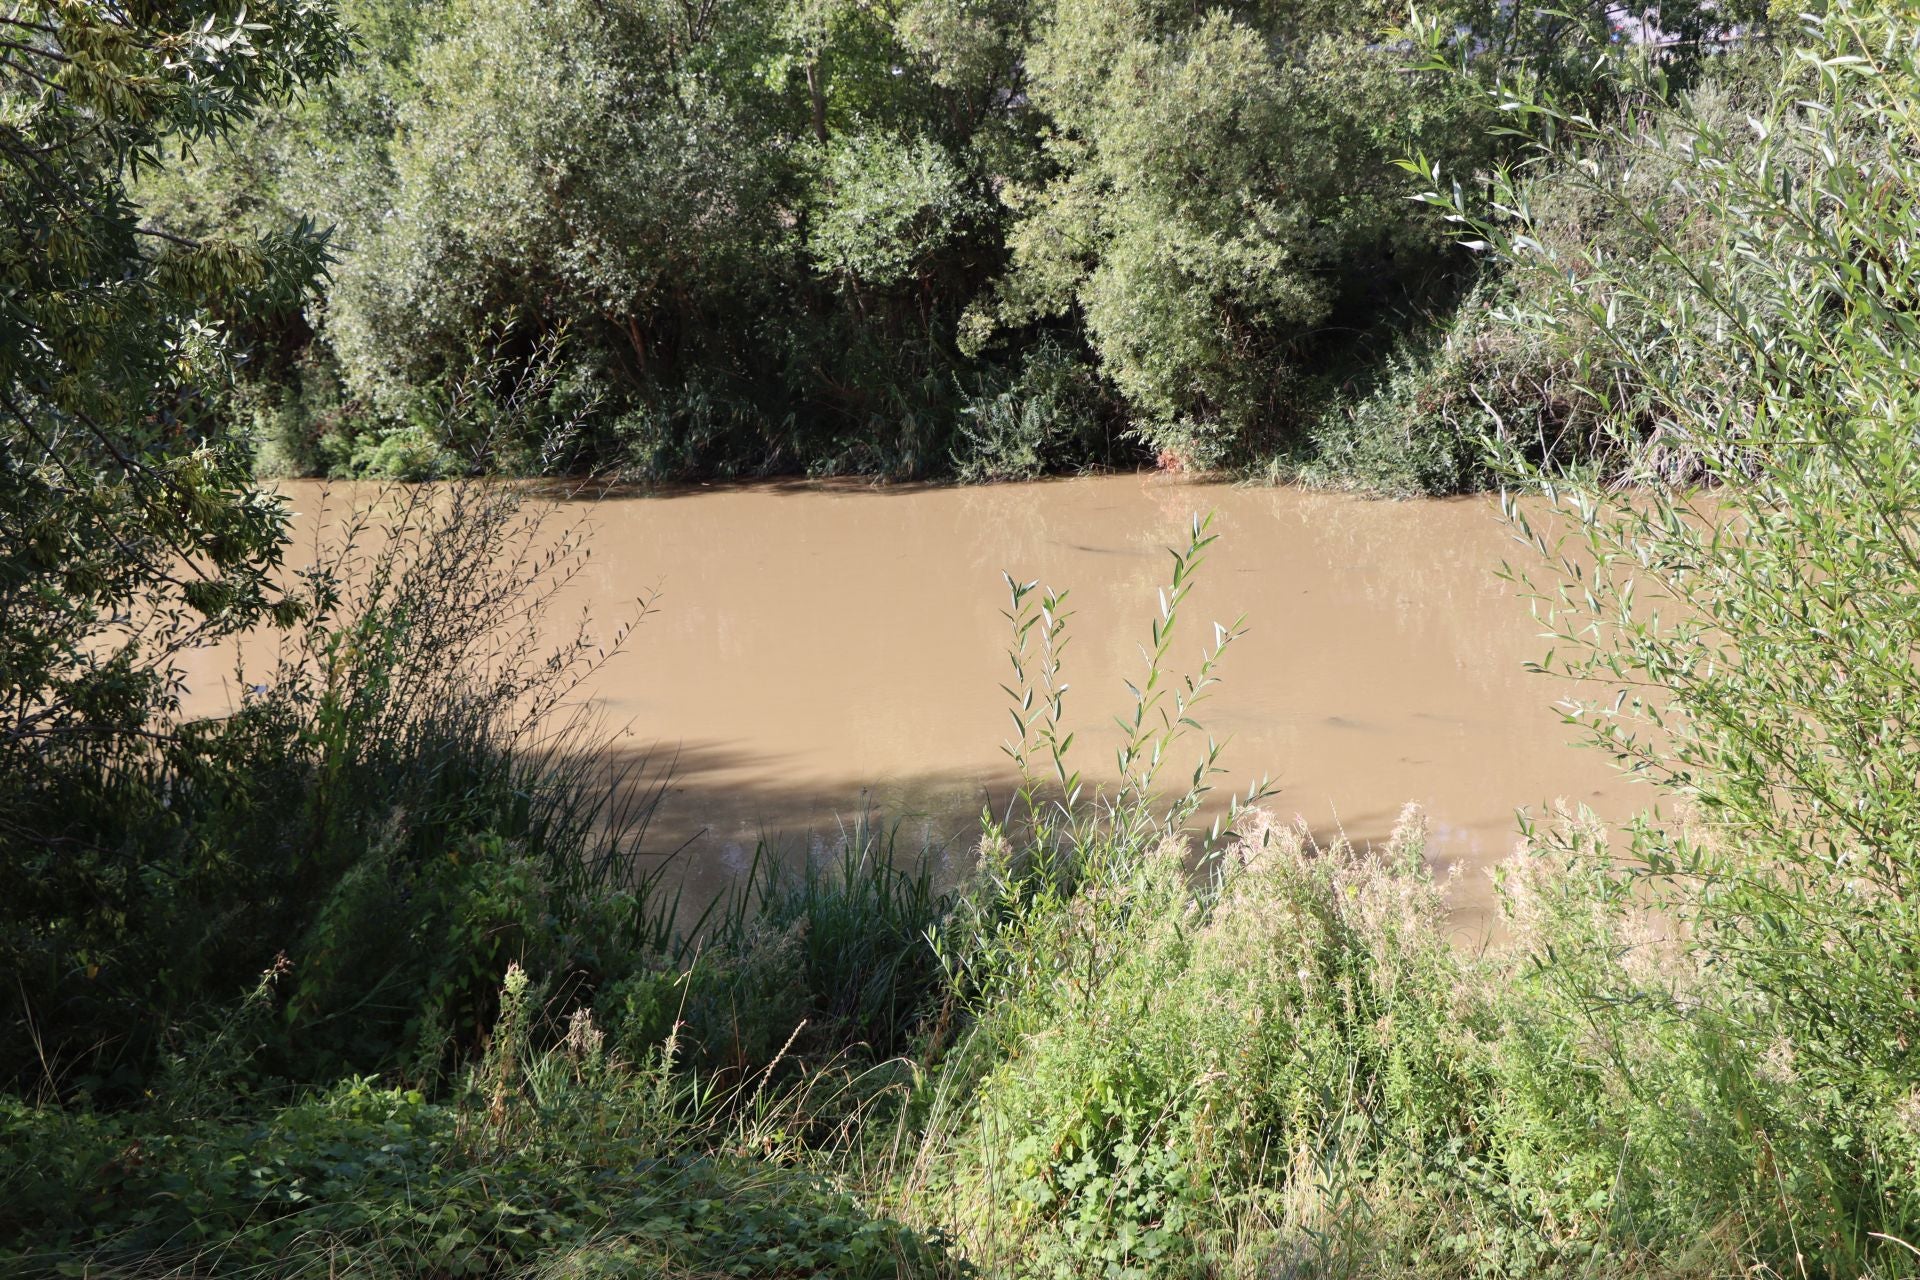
(823, 651)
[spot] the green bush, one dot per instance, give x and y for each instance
(374, 812)
(887, 208)
(1751, 645)
(1051, 414)
(1540, 393)
(821, 964)
(1409, 425)
(748, 228)
(829, 237)
(566, 1163)
(1201, 1056)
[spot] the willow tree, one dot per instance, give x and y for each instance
(1744, 633)
(129, 524)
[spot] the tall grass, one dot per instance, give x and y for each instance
(551, 1161)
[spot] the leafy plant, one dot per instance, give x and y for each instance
(1749, 643)
(129, 528)
(557, 1161)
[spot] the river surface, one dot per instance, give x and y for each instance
(823, 650)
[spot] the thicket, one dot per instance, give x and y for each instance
(985, 238)
(357, 980)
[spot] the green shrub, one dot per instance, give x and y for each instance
(1048, 416)
(1751, 645)
(1200, 1055)
(1541, 393)
(888, 208)
(826, 963)
(746, 287)
(375, 811)
(410, 453)
(559, 1163)
(784, 237)
(1219, 213)
(1406, 427)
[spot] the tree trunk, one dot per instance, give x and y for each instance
(817, 92)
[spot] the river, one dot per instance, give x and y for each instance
(820, 650)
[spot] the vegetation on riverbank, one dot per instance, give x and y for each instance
(359, 979)
(978, 238)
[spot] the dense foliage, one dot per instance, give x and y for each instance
(128, 523)
(983, 237)
(359, 980)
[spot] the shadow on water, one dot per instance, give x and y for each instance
(824, 649)
(710, 810)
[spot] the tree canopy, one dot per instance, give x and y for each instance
(751, 236)
(128, 516)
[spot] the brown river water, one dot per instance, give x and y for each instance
(820, 651)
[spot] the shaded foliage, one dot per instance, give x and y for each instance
(802, 235)
(128, 526)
